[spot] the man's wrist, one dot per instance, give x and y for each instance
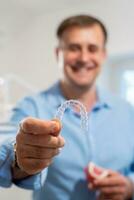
(17, 172)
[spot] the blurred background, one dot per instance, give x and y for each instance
(27, 57)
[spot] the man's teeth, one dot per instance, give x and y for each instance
(90, 66)
(84, 68)
(87, 67)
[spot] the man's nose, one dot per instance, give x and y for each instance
(84, 56)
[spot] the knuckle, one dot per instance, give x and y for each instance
(18, 137)
(19, 142)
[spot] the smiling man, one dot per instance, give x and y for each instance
(82, 52)
(37, 162)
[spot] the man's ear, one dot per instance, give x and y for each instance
(59, 57)
(104, 55)
(57, 50)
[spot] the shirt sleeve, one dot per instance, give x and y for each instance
(25, 108)
(6, 158)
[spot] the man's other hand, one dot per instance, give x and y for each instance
(113, 187)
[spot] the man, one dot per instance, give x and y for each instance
(39, 164)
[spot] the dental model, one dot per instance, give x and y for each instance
(95, 172)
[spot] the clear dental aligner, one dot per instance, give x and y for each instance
(74, 104)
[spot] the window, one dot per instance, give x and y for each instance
(128, 85)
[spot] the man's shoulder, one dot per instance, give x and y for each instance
(52, 90)
(47, 96)
(35, 104)
(123, 107)
(120, 102)
(116, 102)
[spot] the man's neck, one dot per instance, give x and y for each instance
(87, 96)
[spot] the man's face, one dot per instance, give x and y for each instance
(82, 53)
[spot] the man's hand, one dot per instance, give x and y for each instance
(37, 142)
(113, 187)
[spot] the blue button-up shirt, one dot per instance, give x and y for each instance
(109, 142)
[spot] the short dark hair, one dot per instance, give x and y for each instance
(80, 21)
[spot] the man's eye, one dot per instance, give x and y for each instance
(93, 48)
(73, 48)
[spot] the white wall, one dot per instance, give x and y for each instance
(31, 53)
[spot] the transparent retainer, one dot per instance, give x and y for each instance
(74, 104)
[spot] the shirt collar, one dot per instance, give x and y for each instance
(105, 100)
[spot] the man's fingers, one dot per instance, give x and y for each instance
(110, 181)
(37, 152)
(37, 126)
(109, 197)
(32, 165)
(49, 141)
(112, 190)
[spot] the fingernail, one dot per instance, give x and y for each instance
(54, 126)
